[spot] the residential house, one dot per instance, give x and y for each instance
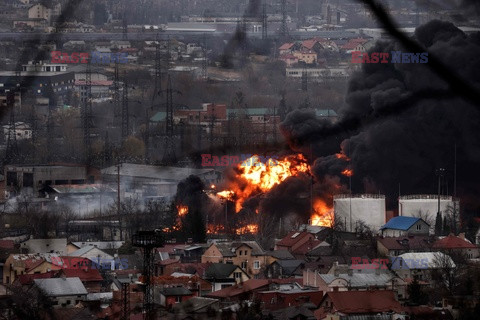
(106, 246)
(275, 255)
(404, 226)
(286, 297)
(58, 246)
(120, 44)
(222, 275)
(297, 242)
(457, 246)
(18, 264)
(65, 292)
(377, 280)
(306, 56)
(394, 246)
(97, 256)
(247, 290)
(197, 308)
(169, 296)
(289, 59)
(285, 269)
(286, 48)
(90, 277)
(357, 44)
(40, 11)
(420, 265)
(249, 255)
(358, 304)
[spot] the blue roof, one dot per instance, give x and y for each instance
(400, 223)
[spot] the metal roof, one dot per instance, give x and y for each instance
(400, 223)
(417, 260)
(155, 172)
(360, 279)
(55, 287)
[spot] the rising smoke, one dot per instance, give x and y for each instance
(394, 133)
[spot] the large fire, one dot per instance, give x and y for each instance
(322, 215)
(255, 177)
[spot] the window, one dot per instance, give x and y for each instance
(244, 265)
(68, 301)
(178, 299)
(419, 227)
(256, 265)
(237, 275)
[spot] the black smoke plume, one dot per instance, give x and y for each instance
(402, 121)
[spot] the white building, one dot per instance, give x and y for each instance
(21, 131)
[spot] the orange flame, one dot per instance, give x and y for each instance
(322, 215)
(255, 177)
(226, 194)
(249, 228)
(347, 172)
(182, 210)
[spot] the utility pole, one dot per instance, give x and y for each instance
(125, 114)
(87, 114)
(205, 59)
(440, 173)
(284, 34)
(264, 22)
(12, 147)
(116, 90)
(169, 154)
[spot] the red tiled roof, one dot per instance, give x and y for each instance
(288, 241)
(453, 242)
(354, 302)
(7, 244)
(352, 43)
(32, 263)
(414, 242)
(306, 247)
(248, 286)
(193, 267)
(28, 278)
(83, 274)
(286, 46)
(309, 44)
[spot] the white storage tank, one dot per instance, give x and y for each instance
(425, 206)
(351, 209)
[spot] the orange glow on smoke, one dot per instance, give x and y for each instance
(347, 172)
(342, 156)
(322, 215)
(249, 228)
(182, 210)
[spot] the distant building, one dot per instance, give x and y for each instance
(21, 131)
(35, 178)
(223, 275)
(457, 246)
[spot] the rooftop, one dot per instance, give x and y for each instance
(400, 223)
(61, 286)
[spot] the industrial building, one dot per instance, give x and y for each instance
(148, 180)
(31, 179)
(351, 210)
(426, 206)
